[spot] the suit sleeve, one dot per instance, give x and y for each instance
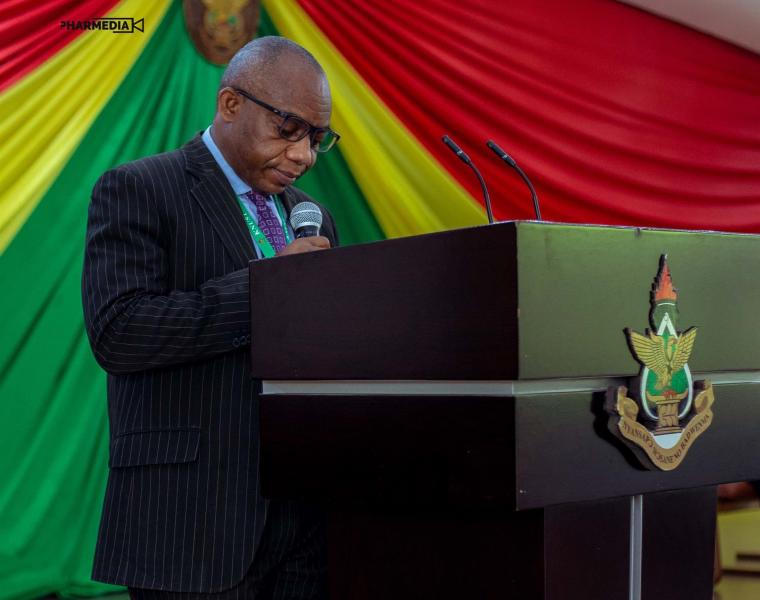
(133, 320)
(333, 228)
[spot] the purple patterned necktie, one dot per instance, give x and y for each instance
(267, 221)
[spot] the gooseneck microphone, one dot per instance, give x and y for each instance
(306, 219)
(466, 160)
(511, 162)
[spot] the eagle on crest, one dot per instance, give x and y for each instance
(663, 356)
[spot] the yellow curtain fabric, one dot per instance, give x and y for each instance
(408, 191)
(46, 114)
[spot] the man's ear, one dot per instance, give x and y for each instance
(228, 104)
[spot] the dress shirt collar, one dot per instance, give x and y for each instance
(239, 186)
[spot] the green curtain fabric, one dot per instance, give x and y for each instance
(53, 422)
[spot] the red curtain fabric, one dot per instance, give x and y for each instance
(31, 31)
(618, 116)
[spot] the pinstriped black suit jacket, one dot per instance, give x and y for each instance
(165, 293)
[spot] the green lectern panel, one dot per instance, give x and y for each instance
(580, 286)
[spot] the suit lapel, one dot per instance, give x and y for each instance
(213, 193)
(288, 200)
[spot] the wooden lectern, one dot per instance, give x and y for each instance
(444, 397)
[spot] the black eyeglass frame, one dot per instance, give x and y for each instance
(311, 130)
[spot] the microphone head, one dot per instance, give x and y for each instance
(305, 214)
(500, 153)
(456, 149)
(495, 147)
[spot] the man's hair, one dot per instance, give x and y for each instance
(260, 57)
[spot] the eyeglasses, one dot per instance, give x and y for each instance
(293, 128)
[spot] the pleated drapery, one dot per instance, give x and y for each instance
(618, 116)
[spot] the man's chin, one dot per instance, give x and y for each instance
(268, 183)
(274, 190)
(268, 187)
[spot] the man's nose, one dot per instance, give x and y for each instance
(300, 152)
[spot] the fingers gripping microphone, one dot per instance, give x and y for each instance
(306, 219)
(511, 162)
(466, 160)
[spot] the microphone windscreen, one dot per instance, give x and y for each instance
(305, 214)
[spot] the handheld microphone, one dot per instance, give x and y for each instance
(511, 162)
(466, 160)
(306, 219)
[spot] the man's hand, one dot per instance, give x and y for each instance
(307, 244)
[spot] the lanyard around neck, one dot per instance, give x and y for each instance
(258, 236)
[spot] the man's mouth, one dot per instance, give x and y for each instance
(284, 177)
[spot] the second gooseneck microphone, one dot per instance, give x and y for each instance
(511, 162)
(466, 160)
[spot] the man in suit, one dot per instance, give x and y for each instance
(165, 293)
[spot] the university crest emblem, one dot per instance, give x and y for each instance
(668, 411)
(219, 28)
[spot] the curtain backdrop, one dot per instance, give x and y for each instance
(31, 34)
(52, 393)
(618, 116)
